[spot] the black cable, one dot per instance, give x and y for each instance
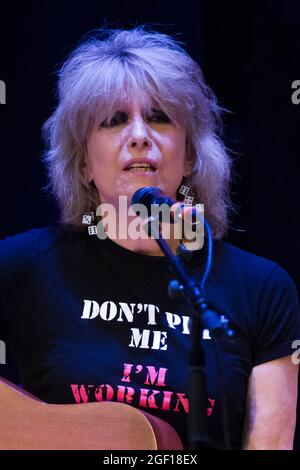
(208, 263)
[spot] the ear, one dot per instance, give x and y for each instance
(187, 168)
(86, 171)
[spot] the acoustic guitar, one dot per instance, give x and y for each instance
(29, 423)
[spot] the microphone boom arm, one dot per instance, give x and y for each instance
(203, 316)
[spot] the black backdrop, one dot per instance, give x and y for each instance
(249, 52)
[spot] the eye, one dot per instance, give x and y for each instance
(158, 116)
(120, 117)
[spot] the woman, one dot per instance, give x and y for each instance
(90, 319)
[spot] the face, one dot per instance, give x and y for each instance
(135, 149)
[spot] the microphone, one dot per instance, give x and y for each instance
(151, 196)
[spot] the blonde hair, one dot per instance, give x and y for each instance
(102, 72)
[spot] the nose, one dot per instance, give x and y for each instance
(139, 135)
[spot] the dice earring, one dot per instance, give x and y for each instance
(89, 216)
(186, 192)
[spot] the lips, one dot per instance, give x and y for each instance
(140, 165)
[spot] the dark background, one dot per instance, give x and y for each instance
(249, 52)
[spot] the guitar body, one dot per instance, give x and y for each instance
(28, 423)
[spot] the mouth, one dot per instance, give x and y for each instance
(140, 167)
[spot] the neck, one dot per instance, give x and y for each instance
(130, 234)
(146, 247)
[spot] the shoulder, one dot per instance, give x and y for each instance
(267, 300)
(25, 243)
(251, 267)
(20, 249)
(234, 255)
(43, 235)
(263, 281)
(259, 279)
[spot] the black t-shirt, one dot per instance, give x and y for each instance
(89, 320)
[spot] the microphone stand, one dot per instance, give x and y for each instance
(203, 317)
